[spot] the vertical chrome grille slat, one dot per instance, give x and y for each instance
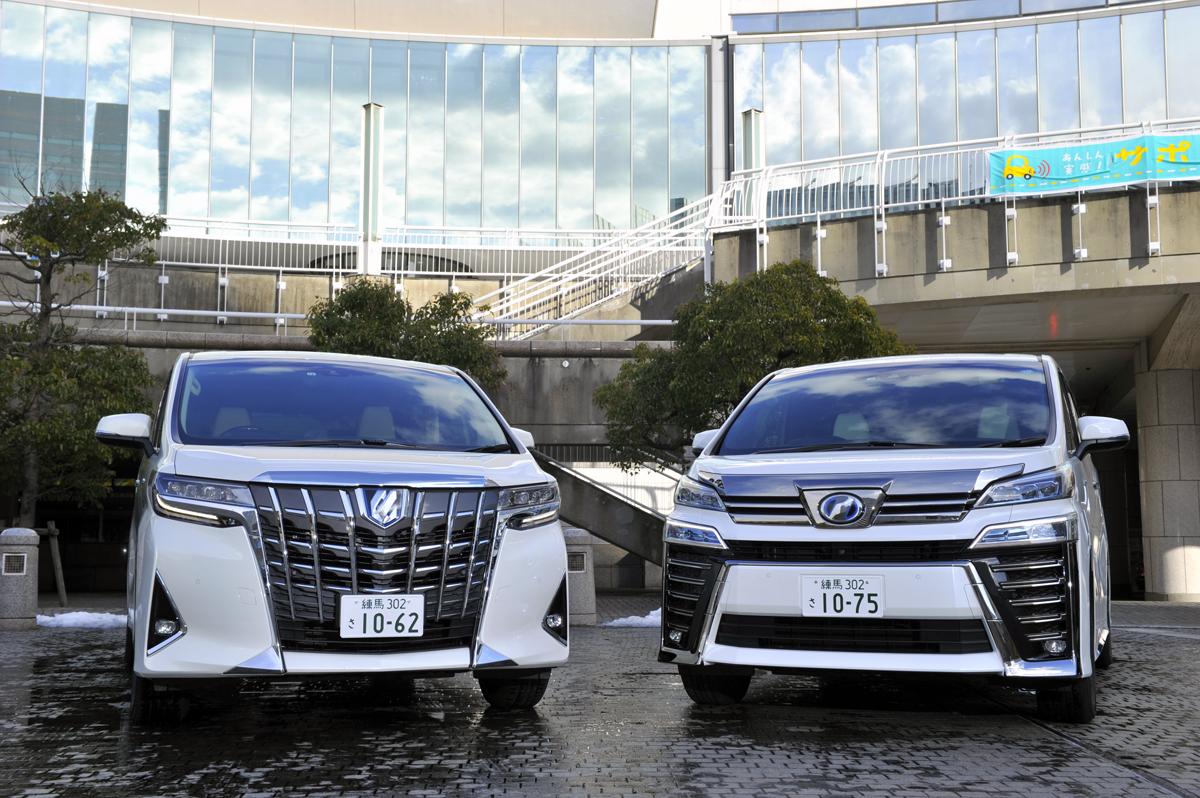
(351, 540)
(471, 558)
(418, 510)
(287, 568)
(450, 516)
(316, 551)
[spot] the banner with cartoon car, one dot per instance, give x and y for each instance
(1083, 165)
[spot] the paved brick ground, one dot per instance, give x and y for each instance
(614, 723)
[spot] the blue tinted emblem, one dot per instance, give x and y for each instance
(841, 508)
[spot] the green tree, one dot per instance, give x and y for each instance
(724, 343)
(368, 317)
(56, 391)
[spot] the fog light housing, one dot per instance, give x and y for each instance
(554, 621)
(1055, 647)
(165, 628)
(675, 636)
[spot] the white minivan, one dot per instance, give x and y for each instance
(304, 514)
(923, 514)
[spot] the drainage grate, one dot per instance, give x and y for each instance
(14, 565)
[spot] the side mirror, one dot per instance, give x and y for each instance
(524, 436)
(130, 430)
(1100, 434)
(702, 440)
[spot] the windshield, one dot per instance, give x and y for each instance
(264, 402)
(959, 404)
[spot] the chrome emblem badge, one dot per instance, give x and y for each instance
(841, 508)
(385, 506)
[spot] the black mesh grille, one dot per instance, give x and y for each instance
(875, 635)
(317, 546)
(689, 577)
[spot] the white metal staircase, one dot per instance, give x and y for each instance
(612, 268)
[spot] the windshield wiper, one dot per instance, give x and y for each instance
(350, 443)
(850, 445)
(1034, 441)
(495, 448)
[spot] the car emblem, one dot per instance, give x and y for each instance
(841, 508)
(386, 506)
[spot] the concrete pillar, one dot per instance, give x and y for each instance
(1168, 419)
(581, 576)
(18, 578)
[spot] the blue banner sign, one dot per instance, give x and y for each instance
(1081, 166)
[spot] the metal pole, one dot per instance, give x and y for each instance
(371, 249)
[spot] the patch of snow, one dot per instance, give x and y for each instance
(654, 619)
(82, 620)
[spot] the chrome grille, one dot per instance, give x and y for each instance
(317, 545)
(902, 509)
(1031, 588)
(688, 582)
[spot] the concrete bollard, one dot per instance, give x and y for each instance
(581, 577)
(18, 579)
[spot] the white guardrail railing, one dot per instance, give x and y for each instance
(894, 180)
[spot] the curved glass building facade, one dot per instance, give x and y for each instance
(203, 121)
(824, 95)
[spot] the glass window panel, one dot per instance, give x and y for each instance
(897, 92)
(427, 134)
(20, 99)
(754, 23)
(270, 144)
(1058, 76)
(650, 119)
(887, 16)
(1142, 75)
(231, 111)
(149, 115)
(936, 89)
(62, 116)
(1016, 55)
(191, 104)
(310, 129)
(747, 92)
(977, 84)
(575, 151)
(464, 135)
(840, 19)
(1042, 6)
(612, 138)
(959, 10)
(1099, 71)
(1183, 62)
(689, 148)
(389, 88)
(780, 103)
(819, 84)
(538, 133)
(351, 88)
(859, 98)
(501, 134)
(107, 114)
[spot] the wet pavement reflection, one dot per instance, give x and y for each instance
(614, 722)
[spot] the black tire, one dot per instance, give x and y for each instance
(129, 649)
(1105, 660)
(145, 704)
(507, 693)
(1075, 703)
(714, 688)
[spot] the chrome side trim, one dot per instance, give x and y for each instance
(711, 611)
(269, 660)
(182, 623)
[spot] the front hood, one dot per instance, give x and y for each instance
(908, 471)
(353, 467)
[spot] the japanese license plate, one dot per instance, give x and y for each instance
(396, 615)
(838, 596)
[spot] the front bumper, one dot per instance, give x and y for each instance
(948, 609)
(215, 581)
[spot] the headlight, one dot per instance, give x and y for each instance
(690, 493)
(1057, 483)
(1027, 533)
(692, 535)
(529, 505)
(200, 501)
